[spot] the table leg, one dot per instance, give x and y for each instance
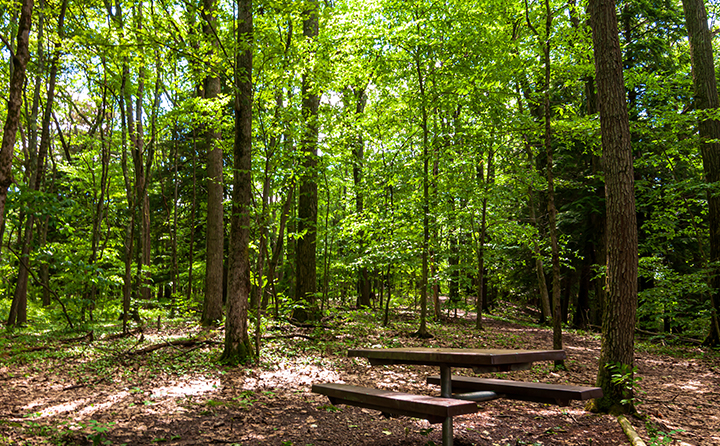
(445, 381)
(446, 392)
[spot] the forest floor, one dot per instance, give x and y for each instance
(116, 391)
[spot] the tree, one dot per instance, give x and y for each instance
(706, 99)
(618, 328)
(306, 254)
(238, 348)
(12, 120)
(212, 309)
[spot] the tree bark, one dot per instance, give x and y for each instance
(12, 120)
(306, 255)
(18, 309)
(706, 98)
(622, 241)
(212, 308)
(238, 348)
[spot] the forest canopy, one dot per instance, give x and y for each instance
(403, 153)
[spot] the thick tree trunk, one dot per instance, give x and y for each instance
(305, 259)
(237, 342)
(706, 98)
(12, 119)
(212, 309)
(618, 326)
(36, 181)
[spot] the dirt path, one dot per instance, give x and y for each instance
(48, 402)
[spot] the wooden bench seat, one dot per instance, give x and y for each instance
(433, 409)
(526, 391)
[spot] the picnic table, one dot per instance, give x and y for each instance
(450, 404)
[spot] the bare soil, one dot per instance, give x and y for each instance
(142, 400)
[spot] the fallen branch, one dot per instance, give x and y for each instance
(37, 348)
(176, 343)
(634, 438)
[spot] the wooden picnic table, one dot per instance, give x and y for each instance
(480, 360)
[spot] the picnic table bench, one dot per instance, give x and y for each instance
(442, 409)
(430, 408)
(558, 394)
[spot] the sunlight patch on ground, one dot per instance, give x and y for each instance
(695, 386)
(184, 388)
(57, 409)
(110, 400)
(289, 378)
(582, 349)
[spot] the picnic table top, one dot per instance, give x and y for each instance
(455, 357)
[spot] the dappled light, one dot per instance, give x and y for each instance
(186, 388)
(180, 392)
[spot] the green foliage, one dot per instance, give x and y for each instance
(625, 378)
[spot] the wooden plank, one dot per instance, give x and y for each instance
(490, 359)
(431, 408)
(539, 392)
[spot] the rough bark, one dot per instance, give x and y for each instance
(622, 243)
(706, 98)
(17, 80)
(306, 255)
(18, 308)
(238, 348)
(212, 308)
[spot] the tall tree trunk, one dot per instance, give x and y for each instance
(126, 122)
(212, 309)
(422, 330)
(14, 104)
(99, 196)
(485, 183)
(237, 342)
(552, 211)
(305, 260)
(706, 98)
(142, 162)
(358, 152)
(437, 313)
(622, 241)
(18, 309)
(193, 212)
